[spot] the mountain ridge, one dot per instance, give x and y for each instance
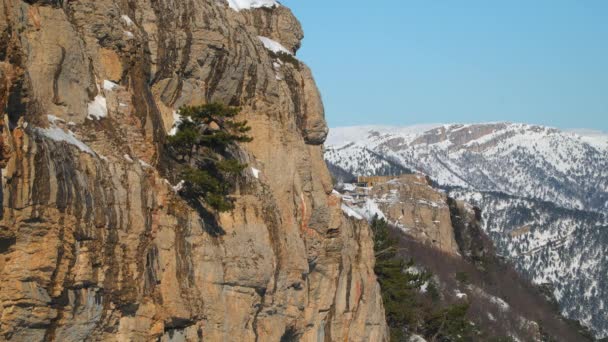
(540, 189)
(337, 133)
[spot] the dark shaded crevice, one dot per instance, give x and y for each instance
(145, 106)
(218, 68)
(253, 80)
(291, 334)
(209, 221)
(175, 325)
(1, 194)
(258, 309)
(295, 96)
(17, 105)
(151, 277)
(187, 19)
(183, 253)
(349, 280)
(6, 242)
(5, 37)
(54, 3)
(42, 176)
(470, 238)
(56, 98)
(235, 100)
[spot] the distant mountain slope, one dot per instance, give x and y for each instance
(544, 194)
(365, 162)
(523, 160)
(441, 239)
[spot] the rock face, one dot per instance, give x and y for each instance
(410, 203)
(420, 210)
(94, 242)
(425, 214)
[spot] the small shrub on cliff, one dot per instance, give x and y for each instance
(450, 324)
(462, 277)
(205, 147)
(286, 58)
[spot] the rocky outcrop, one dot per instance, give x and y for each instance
(95, 243)
(473, 243)
(422, 212)
(409, 202)
(412, 204)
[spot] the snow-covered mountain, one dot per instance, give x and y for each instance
(543, 193)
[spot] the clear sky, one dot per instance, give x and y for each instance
(402, 62)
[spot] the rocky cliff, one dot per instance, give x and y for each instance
(410, 203)
(95, 244)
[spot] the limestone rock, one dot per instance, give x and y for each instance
(422, 212)
(411, 203)
(94, 242)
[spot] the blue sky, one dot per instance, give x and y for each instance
(427, 61)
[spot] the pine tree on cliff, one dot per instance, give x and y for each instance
(408, 311)
(205, 147)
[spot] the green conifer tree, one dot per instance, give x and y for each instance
(204, 146)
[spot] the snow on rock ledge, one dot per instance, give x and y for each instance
(255, 172)
(238, 5)
(274, 46)
(350, 212)
(57, 134)
(98, 108)
(109, 85)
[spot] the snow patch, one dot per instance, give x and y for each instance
(256, 172)
(350, 212)
(349, 187)
(239, 5)
(177, 119)
(504, 306)
(416, 338)
(109, 85)
(179, 186)
(144, 164)
(371, 209)
(58, 134)
(460, 295)
(273, 45)
(98, 108)
(53, 119)
(125, 18)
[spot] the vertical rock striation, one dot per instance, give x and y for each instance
(95, 243)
